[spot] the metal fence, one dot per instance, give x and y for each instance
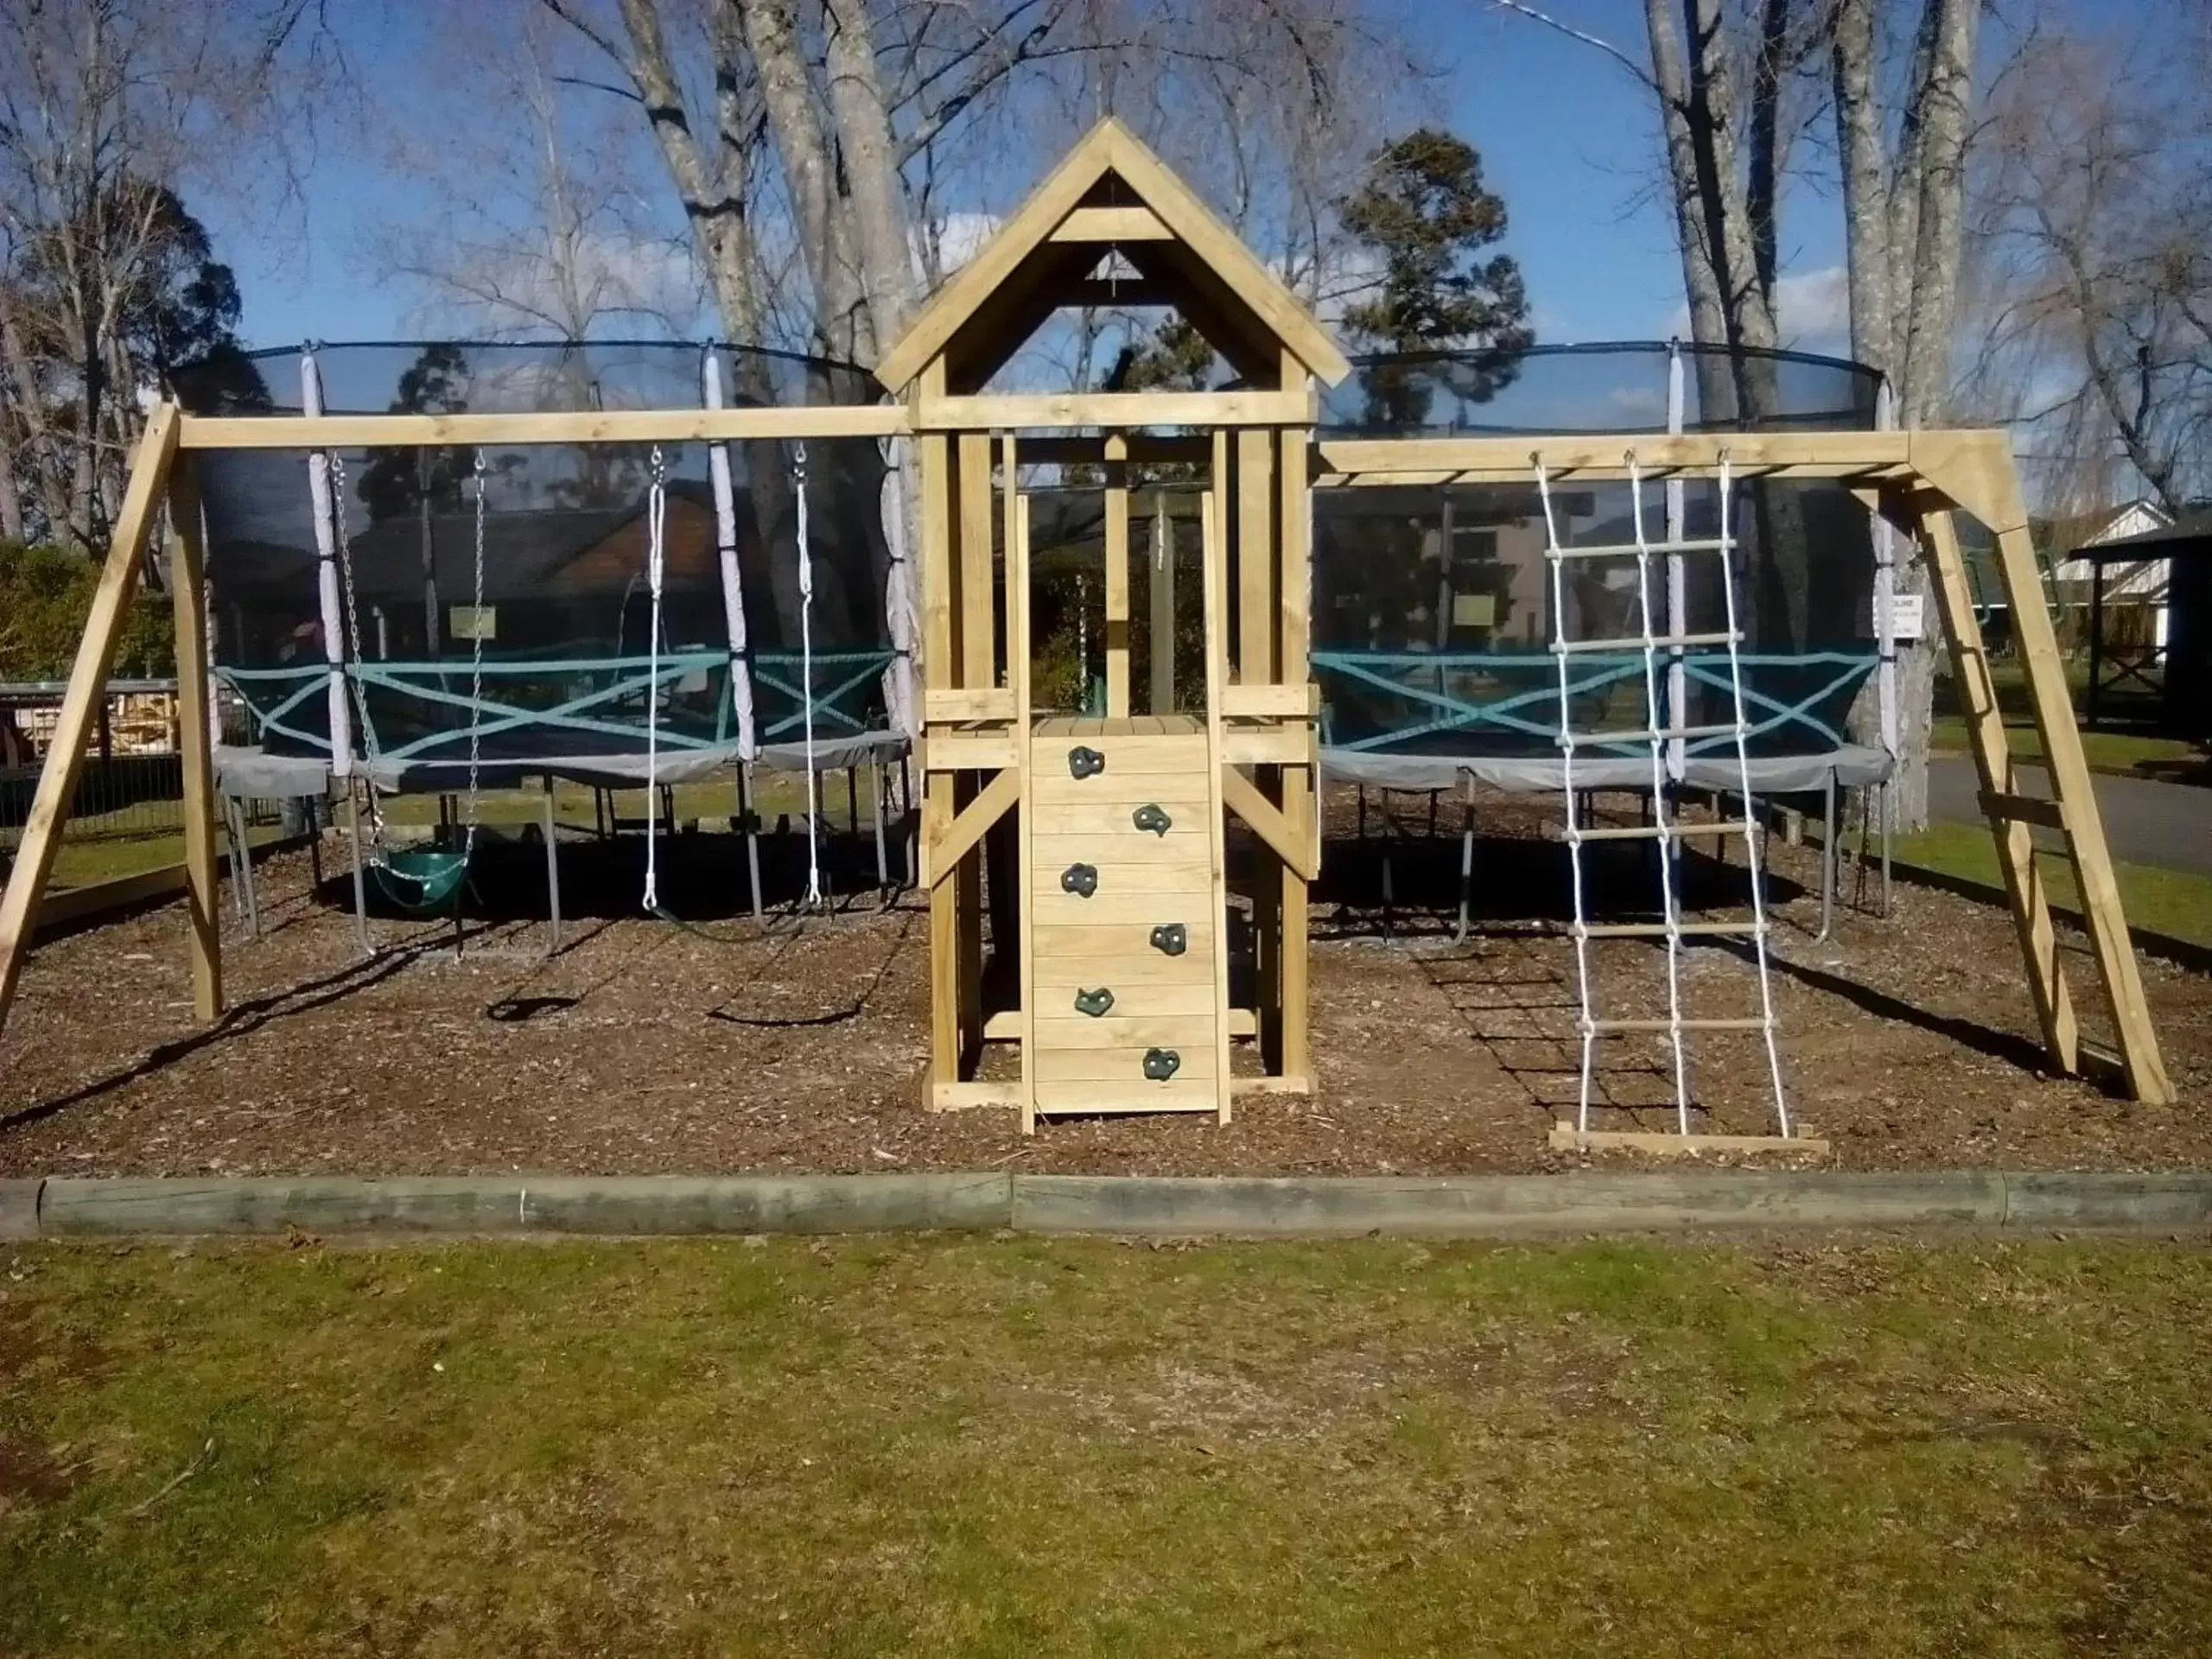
(127, 815)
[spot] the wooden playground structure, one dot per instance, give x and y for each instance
(1079, 898)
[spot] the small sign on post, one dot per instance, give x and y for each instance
(473, 622)
(1907, 619)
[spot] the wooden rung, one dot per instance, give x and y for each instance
(2025, 809)
(1655, 832)
(1602, 1026)
(1111, 225)
(980, 703)
(1565, 1137)
(1630, 549)
(1731, 728)
(1659, 930)
(969, 752)
(1665, 641)
(961, 1097)
(1270, 702)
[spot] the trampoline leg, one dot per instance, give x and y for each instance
(231, 835)
(1466, 861)
(315, 809)
(876, 778)
(1363, 812)
(360, 888)
(552, 875)
(245, 871)
(751, 819)
(1885, 849)
(1828, 858)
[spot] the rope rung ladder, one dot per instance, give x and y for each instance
(1662, 725)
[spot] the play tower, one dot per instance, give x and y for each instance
(1093, 844)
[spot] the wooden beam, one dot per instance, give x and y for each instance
(1162, 591)
(1289, 843)
(1018, 648)
(940, 555)
(1513, 461)
(1255, 558)
(942, 852)
(1118, 575)
(2024, 809)
(937, 817)
(1215, 568)
(2016, 853)
(73, 728)
(1111, 225)
(188, 581)
(978, 601)
(986, 411)
(585, 426)
(1294, 585)
(1565, 1137)
(1299, 701)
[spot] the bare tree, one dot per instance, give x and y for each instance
(108, 109)
(2091, 233)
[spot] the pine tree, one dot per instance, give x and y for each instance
(1425, 214)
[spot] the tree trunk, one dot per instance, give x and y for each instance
(871, 168)
(826, 237)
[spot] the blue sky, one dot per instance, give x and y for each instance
(1565, 137)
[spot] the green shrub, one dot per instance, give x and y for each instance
(45, 593)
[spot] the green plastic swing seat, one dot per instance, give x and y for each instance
(421, 880)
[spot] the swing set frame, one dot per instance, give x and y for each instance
(1264, 458)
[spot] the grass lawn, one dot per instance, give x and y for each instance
(979, 1446)
(2127, 753)
(2176, 902)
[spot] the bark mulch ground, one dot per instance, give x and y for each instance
(799, 1046)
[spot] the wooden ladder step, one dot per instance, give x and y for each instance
(1660, 930)
(1644, 735)
(1602, 1026)
(1572, 647)
(1658, 832)
(1630, 549)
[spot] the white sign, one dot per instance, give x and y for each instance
(473, 622)
(1904, 616)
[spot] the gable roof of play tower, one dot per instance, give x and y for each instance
(1112, 194)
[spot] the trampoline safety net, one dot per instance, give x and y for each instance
(1433, 606)
(564, 610)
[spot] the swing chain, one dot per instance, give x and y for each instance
(352, 665)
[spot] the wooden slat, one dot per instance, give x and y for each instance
(968, 702)
(1111, 1098)
(1054, 1065)
(1299, 701)
(1132, 998)
(1255, 543)
(1109, 408)
(1122, 947)
(937, 814)
(1117, 574)
(969, 751)
(2016, 854)
(942, 852)
(1263, 746)
(195, 748)
(1816, 455)
(1288, 1051)
(1134, 853)
(1184, 1033)
(80, 702)
(1109, 826)
(585, 426)
(957, 1097)
(1565, 1137)
(1111, 225)
(978, 629)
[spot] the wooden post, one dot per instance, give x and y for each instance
(57, 781)
(1118, 575)
(2016, 857)
(1301, 785)
(1163, 607)
(203, 897)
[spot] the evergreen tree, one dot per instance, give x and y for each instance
(1425, 216)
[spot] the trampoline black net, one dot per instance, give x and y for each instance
(1434, 606)
(547, 568)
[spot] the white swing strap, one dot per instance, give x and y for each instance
(806, 679)
(656, 537)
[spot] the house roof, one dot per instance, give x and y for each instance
(2188, 536)
(1203, 255)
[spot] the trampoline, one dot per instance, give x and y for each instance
(431, 619)
(1432, 608)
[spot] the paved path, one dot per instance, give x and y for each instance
(2146, 821)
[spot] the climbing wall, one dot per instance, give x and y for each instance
(1125, 959)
